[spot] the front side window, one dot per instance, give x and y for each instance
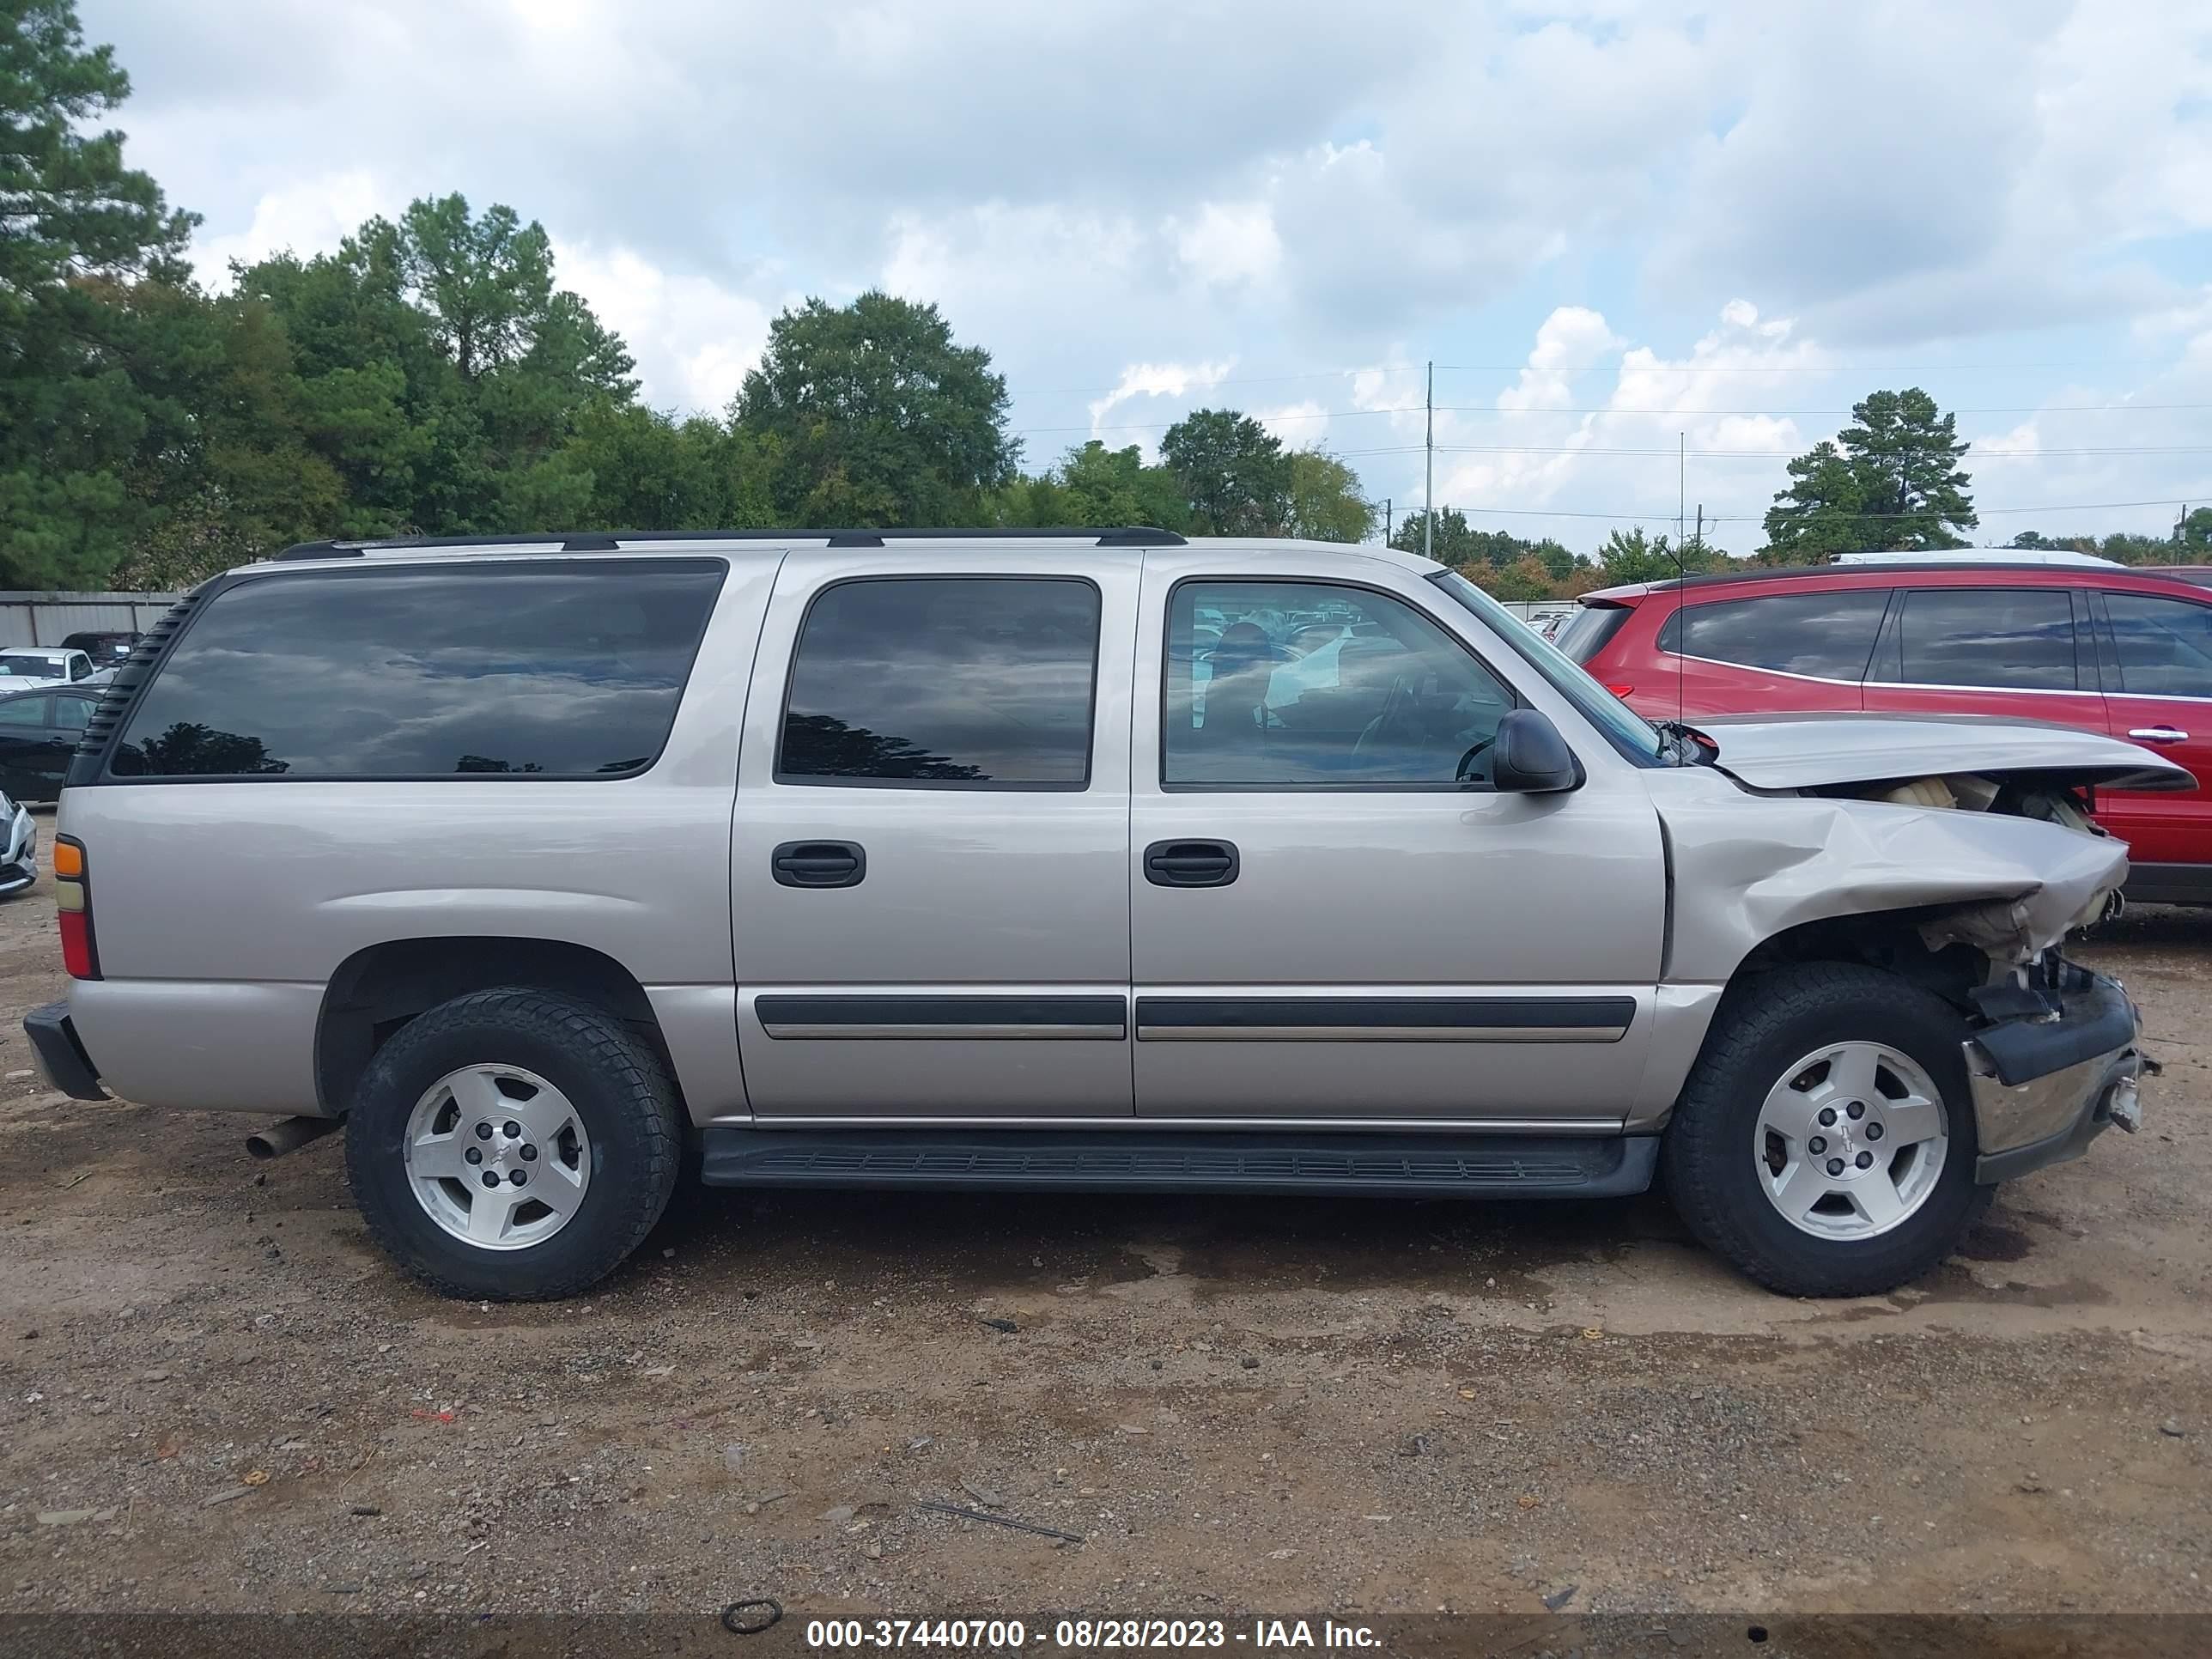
(1826, 636)
(2004, 638)
(1295, 685)
(557, 670)
(2165, 644)
(945, 681)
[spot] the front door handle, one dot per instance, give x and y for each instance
(818, 864)
(1190, 863)
(2158, 734)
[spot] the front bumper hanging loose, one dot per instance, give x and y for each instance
(2045, 1085)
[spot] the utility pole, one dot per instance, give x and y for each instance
(1682, 487)
(1699, 543)
(1429, 473)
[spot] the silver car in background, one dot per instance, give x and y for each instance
(19, 847)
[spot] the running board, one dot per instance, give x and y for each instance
(1459, 1166)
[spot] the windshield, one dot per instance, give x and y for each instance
(25, 667)
(1622, 725)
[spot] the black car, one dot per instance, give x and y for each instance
(38, 731)
(106, 650)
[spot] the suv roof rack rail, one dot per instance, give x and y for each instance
(612, 541)
(1902, 570)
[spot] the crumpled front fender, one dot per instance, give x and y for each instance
(1747, 866)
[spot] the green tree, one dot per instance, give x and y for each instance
(1630, 555)
(78, 231)
(1104, 486)
(1451, 542)
(442, 374)
(1819, 514)
(881, 418)
(1236, 476)
(2194, 533)
(1326, 504)
(241, 476)
(646, 470)
(1891, 480)
(482, 280)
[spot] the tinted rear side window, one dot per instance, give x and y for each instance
(1590, 629)
(2007, 638)
(1823, 636)
(558, 670)
(942, 682)
(2165, 644)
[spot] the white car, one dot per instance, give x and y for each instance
(27, 668)
(19, 847)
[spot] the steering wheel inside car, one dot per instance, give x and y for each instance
(1395, 702)
(1465, 772)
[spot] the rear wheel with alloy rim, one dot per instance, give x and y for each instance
(513, 1145)
(1825, 1142)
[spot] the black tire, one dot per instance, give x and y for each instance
(1707, 1158)
(620, 1091)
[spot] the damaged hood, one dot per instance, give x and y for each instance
(1806, 751)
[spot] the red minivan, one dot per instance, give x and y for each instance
(2103, 647)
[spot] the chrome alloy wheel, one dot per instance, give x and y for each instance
(497, 1157)
(1850, 1140)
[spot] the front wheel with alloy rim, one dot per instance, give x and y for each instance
(513, 1144)
(1825, 1143)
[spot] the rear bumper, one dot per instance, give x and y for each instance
(61, 1059)
(2044, 1087)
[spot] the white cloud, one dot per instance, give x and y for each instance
(1576, 189)
(1177, 380)
(1301, 425)
(2023, 443)
(693, 338)
(1561, 438)
(1231, 244)
(311, 215)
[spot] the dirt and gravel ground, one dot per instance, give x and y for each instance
(214, 1395)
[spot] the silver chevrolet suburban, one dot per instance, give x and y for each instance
(1078, 859)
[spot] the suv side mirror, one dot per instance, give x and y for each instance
(1531, 758)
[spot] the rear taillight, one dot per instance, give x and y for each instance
(1618, 691)
(73, 901)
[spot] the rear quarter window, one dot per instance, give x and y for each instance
(1590, 629)
(568, 670)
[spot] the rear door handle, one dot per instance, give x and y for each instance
(1190, 863)
(2158, 734)
(818, 864)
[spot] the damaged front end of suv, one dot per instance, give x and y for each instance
(1956, 853)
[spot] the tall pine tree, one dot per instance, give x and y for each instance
(81, 405)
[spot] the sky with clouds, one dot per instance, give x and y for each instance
(1618, 228)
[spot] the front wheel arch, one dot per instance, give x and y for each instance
(1766, 1029)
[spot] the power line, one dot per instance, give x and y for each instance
(1808, 368)
(1485, 409)
(1196, 386)
(1758, 518)
(1792, 454)
(1690, 408)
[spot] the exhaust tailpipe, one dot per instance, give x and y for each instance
(289, 1134)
